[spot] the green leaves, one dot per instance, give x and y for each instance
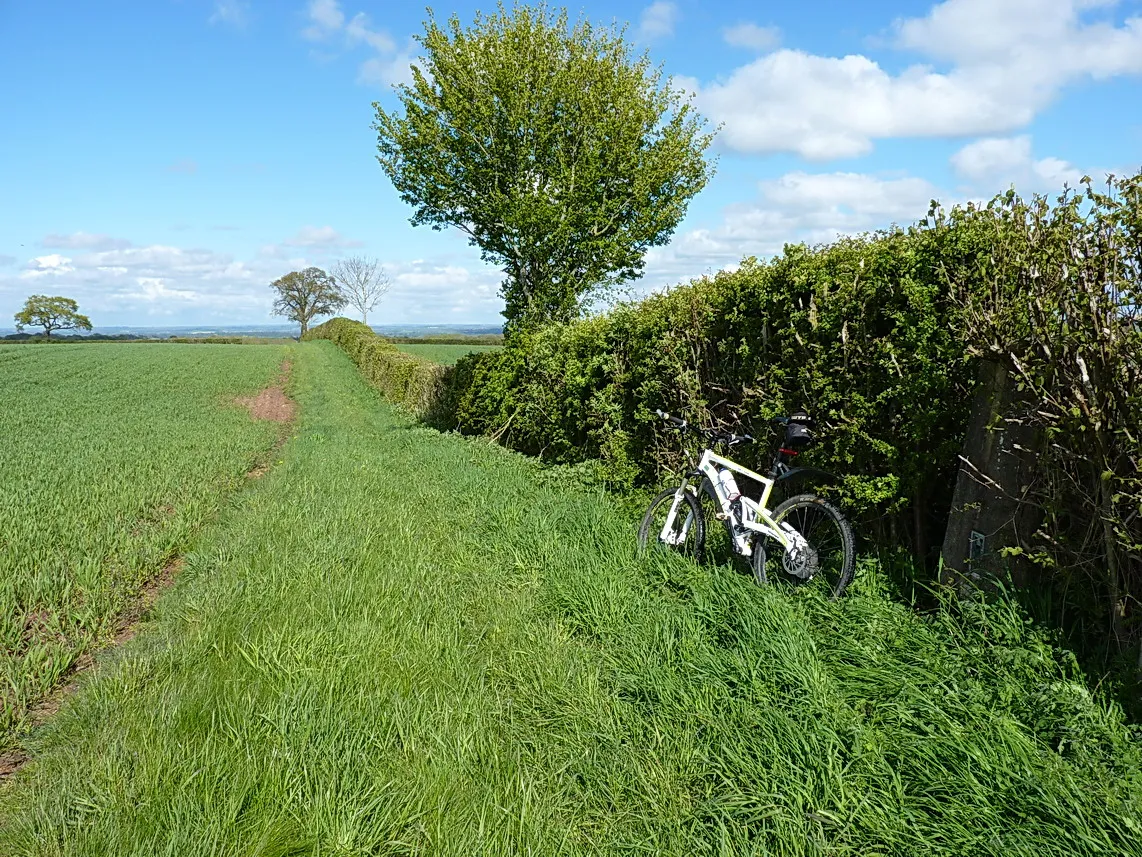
(302, 295)
(558, 152)
(51, 313)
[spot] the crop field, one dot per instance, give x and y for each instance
(111, 458)
(446, 354)
(403, 642)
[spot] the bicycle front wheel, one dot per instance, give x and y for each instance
(830, 556)
(671, 525)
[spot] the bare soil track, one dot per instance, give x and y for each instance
(272, 404)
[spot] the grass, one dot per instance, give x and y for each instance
(445, 354)
(111, 460)
(401, 642)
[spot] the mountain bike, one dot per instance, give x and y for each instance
(813, 537)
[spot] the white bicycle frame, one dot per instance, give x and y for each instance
(755, 514)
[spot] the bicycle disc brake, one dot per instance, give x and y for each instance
(800, 559)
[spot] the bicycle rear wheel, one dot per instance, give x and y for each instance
(686, 533)
(831, 556)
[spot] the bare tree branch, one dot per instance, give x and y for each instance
(362, 282)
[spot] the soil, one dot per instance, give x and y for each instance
(270, 404)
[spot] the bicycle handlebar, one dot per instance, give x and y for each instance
(713, 435)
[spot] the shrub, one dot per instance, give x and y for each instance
(402, 378)
(861, 332)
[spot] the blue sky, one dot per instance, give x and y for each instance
(162, 161)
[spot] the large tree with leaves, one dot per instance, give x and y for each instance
(305, 294)
(51, 313)
(561, 154)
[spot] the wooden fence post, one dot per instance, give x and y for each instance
(989, 511)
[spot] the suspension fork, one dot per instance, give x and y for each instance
(667, 535)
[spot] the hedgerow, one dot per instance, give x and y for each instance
(402, 378)
(860, 332)
(880, 336)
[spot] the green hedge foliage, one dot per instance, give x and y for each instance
(406, 380)
(879, 337)
(860, 332)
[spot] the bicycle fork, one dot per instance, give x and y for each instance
(668, 534)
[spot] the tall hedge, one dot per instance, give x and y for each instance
(409, 381)
(878, 336)
(862, 333)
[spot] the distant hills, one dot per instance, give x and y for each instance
(267, 330)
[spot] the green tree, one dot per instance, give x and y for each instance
(305, 294)
(560, 154)
(51, 313)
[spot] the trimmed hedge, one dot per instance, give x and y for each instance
(862, 333)
(880, 338)
(409, 381)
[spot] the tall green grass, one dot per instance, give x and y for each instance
(110, 459)
(401, 642)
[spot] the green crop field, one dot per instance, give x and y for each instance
(403, 642)
(111, 458)
(446, 354)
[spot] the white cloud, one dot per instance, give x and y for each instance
(131, 284)
(752, 36)
(360, 30)
(325, 237)
(1008, 160)
(388, 71)
(1008, 61)
(84, 241)
(236, 13)
(326, 19)
(433, 291)
(657, 20)
(52, 265)
(387, 67)
(153, 289)
(823, 107)
(798, 206)
(1046, 38)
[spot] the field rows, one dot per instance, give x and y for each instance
(111, 458)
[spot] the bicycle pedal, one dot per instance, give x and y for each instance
(721, 516)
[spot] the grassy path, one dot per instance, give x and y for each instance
(397, 642)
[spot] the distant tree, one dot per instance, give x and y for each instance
(559, 153)
(54, 313)
(305, 294)
(362, 282)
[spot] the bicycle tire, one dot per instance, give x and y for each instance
(695, 537)
(834, 552)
